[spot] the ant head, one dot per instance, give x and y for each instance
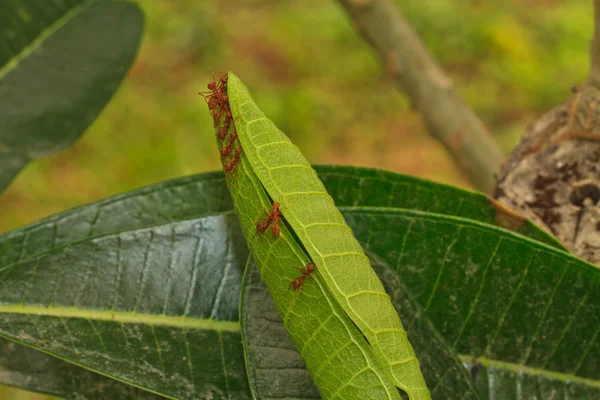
(275, 205)
(310, 267)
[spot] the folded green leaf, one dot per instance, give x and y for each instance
(62, 62)
(338, 358)
(289, 180)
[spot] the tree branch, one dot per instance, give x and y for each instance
(446, 115)
(594, 78)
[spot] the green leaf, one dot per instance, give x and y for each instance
(289, 180)
(28, 369)
(155, 307)
(530, 314)
(334, 350)
(60, 63)
(275, 368)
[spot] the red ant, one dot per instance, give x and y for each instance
(217, 97)
(223, 131)
(231, 166)
(270, 221)
(238, 152)
(225, 150)
(298, 283)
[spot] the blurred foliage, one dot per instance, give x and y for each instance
(318, 81)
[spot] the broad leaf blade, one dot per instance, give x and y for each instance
(275, 368)
(154, 307)
(528, 313)
(62, 64)
(25, 368)
(289, 180)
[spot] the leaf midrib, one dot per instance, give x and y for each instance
(181, 321)
(43, 35)
(523, 369)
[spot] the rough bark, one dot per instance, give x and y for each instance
(448, 118)
(553, 176)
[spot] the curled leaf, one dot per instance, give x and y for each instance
(273, 169)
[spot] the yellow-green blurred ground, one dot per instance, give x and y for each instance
(318, 81)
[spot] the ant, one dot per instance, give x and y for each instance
(217, 97)
(223, 131)
(231, 166)
(225, 150)
(271, 221)
(298, 283)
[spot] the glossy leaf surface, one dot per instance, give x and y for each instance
(155, 307)
(33, 370)
(528, 313)
(60, 63)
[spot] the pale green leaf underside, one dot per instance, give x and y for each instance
(336, 354)
(289, 179)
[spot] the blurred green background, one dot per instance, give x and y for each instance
(318, 81)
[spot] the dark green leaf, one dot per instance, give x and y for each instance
(60, 63)
(33, 370)
(274, 366)
(154, 307)
(528, 313)
(194, 196)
